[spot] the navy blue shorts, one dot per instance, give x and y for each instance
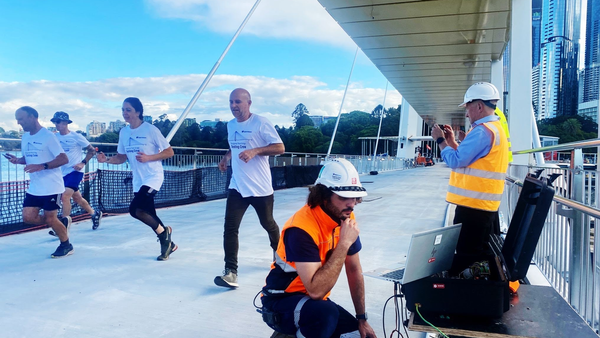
(73, 179)
(48, 203)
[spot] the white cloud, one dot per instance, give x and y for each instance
(296, 19)
(101, 100)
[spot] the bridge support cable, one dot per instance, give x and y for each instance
(341, 106)
(210, 75)
(380, 120)
(535, 135)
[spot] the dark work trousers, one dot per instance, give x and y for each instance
(477, 225)
(234, 212)
(318, 318)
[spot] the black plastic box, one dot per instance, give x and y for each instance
(488, 298)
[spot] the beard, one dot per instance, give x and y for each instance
(336, 213)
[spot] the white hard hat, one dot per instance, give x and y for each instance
(481, 91)
(341, 177)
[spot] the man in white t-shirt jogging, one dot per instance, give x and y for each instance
(42, 157)
(73, 143)
(144, 147)
(252, 139)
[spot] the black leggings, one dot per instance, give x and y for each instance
(142, 207)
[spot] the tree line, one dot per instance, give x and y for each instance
(302, 137)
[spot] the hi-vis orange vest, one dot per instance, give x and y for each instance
(480, 184)
(324, 231)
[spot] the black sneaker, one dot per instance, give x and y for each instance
(228, 280)
(63, 250)
(166, 245)
(96, 217)
(66, 221)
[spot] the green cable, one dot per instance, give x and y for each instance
(433, 326)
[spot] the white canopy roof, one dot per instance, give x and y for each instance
(430, 51)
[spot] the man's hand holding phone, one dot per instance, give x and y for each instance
(11, 158)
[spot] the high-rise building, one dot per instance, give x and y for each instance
(95, 128)
(590, 76)
(115, 126)
(188, 122)
(558, 81)
(536, 27)
(535, 90)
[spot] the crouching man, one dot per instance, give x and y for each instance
(314, 245)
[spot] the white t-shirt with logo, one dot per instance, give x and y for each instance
(72, 143)
(147, 139)
(252, 179)
(41, 148)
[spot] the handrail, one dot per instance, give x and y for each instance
(565, 146)
(565, 201)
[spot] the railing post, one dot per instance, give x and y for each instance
(577, 233)
(86, 184)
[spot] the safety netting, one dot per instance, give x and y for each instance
(111, 191)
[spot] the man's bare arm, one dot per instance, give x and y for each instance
(319, 280)
(356, 283)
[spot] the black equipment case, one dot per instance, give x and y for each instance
(488, 298)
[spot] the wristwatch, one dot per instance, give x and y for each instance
(363, 316)
(440, 140)
(84, 161)
(45, 165)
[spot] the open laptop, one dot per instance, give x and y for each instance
(429, 252)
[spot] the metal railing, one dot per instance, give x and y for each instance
(191, 158)
(565, 251)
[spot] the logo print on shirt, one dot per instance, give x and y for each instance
(32, 150)
(238, 142)
(134, 145)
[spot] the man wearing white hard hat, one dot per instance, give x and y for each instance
(479, 167)
(315, 243)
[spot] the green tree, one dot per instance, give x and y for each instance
(306, 139)
(377, 111)
(299, 111)
(1, 130)
(219, 137)
(569, 128)
(303, 121)
(286, 136)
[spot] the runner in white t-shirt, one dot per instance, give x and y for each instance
(42, 157)
(252, 139)
(72, 144)
(145, 147)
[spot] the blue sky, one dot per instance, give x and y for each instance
(85, 57)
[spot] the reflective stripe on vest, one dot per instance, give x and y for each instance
(480, 185)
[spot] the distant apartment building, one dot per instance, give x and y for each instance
(188, 122)
(95, 128)
(559, 49)
(318, 120)
(209, 123)
(148, 119)
(590, 76)
(115, 126)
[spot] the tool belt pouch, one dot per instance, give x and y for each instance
(272, 319)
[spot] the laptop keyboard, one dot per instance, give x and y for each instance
(394, 275)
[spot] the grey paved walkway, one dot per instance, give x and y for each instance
(112, 286)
